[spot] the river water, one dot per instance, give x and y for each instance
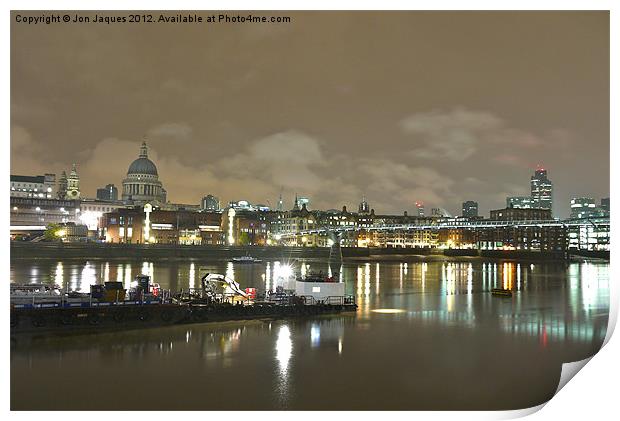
(427, 335)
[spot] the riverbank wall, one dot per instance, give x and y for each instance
(164, 251)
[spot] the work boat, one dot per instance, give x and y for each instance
(312, 288)
(246, 259)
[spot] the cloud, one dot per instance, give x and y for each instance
(28, 153)
(174, 131)
(461, 134)
(454, 135)
(290, 159)
(298, 162)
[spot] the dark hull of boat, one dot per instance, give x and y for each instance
(501, 292)
(43, 321)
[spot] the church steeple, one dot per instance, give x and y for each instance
(363, 207)
(280, 206)
(73, 184)
(296, 203)
(144, 150)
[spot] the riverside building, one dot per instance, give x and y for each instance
(139, 225)
(33, 186)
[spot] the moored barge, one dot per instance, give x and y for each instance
(107, 307)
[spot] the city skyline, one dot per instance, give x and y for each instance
(531, 201)
(407, 114)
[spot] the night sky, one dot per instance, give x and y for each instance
(438, 107)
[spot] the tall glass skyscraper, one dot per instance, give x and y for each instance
(542, 190)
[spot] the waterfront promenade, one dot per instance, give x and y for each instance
(105, 250)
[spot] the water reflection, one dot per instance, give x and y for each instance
(59, 275)
(426, 313)
(315, 335)
(128, 278)
(88, 278)
(192, 276)
(284, 350)
(552, 302)
(377, 278)
(75, 279)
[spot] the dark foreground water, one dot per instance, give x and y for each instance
(427, 335)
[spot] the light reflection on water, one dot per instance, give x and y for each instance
(586, 283)
(558, 313)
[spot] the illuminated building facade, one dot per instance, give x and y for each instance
(301, 201)
(419, 209)
(109, 192)
(36, 212)
(39, 186)
(210, 203)
(142, 185)
(92, 210)
(245, 227)
(470, 209)
(244, 205)
(593, 236)
(520, 202)
(532, 238)
(128, 225)
(541, 189)
(583, 207)
(519, 214)
(73, 233)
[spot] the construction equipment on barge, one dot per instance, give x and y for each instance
(110, 307)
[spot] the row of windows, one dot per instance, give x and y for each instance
(28, 185)
(98, 208)
(113, 220)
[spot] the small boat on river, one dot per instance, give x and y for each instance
(246, 259)
(501, 292)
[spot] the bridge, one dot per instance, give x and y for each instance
(452, 224)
